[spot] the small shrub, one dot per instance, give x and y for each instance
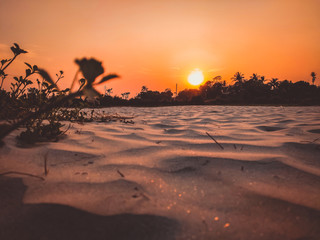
(41, 109)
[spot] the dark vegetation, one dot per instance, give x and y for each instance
(40, 105)
(41, 109)
(256, 90)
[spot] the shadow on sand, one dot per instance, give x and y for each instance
(53, 221)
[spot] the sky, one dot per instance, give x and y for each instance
(158, 43)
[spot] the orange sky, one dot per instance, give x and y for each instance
(158, 43)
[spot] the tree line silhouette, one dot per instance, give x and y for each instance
(256, 90)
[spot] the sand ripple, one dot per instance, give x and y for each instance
(262, 181)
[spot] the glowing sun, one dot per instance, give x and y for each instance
(195, 77)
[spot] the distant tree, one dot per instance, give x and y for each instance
(262, 79)
(205, 88)
(238, 78)
(211, 90)
(125, 95)
(314, 76)
(148, 98)
(284, 90)
(300, 91)
(187, 95)
(254, 77)
(236, 89)
(274, 83)
(166, 96)
(217, 79)
(144, 89)
(108, 91)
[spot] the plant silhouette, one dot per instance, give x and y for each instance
(55, 98)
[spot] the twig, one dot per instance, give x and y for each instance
(46, 171)
(120, 173)
(74, 79)
(310, 141)
(144, 196)
(22, 173)
(2, 70)
(215, 141)
(66, 129)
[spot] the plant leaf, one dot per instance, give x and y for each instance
(4, 61)
(47, 77)
(108, 77)
(17, 50)
(28, 65)
(90, 68)
(13, 49)
(28, 72)
(35, 68)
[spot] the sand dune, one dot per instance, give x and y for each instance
(163, 177)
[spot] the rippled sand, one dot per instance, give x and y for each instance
(164, 177)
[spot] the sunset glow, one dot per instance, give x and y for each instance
(195, 77)
(156, 43)
(159, 119)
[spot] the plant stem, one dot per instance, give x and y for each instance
(3, 77)
(74, 79)
(2, 70)
(14, 57)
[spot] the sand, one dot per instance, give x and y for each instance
(164, 177)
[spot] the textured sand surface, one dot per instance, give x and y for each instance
(163, 177)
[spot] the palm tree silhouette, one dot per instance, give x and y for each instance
(254, 77)
(262, 79)
(144, 89)
(274, 84)
(238, 78)
(108, 91)
(314, 76)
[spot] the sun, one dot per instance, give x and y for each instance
(195, 77)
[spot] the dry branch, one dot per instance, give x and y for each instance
(215, 141)
(120, 173)
(22, 173)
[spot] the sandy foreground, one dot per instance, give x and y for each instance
(163, 177)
